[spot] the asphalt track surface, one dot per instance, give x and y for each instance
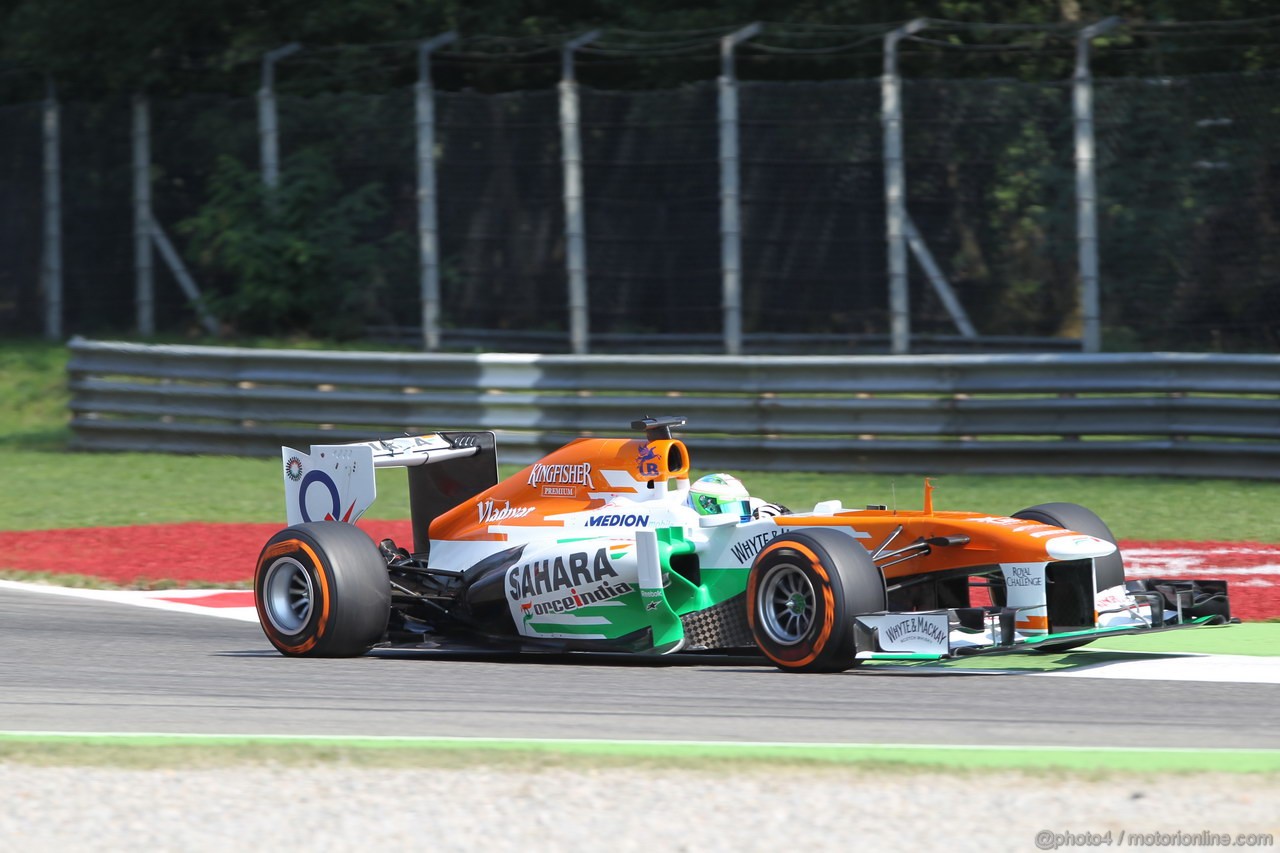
(88, 666)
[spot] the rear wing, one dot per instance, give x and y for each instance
(335, 482)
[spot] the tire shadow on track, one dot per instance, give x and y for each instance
(1004, 665)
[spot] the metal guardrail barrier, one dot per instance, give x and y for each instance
(1156, 413)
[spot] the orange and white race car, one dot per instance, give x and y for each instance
(606, 544)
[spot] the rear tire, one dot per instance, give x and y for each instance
(803, 591)
(322, 590)
(1108, 571)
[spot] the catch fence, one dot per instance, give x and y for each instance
(989, 233)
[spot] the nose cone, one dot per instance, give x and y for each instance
(1077, 546)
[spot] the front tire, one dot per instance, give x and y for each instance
(1108, 571)
(803, 591)
(322, 590)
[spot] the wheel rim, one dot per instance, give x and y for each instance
(786, 604)
(288, 595)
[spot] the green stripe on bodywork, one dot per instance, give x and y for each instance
(1044, 662)
(1076, 758)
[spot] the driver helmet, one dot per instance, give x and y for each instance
(715, 494)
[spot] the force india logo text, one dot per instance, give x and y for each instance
(926, 628)
(490, 513)
(575, 599)
(564, 475)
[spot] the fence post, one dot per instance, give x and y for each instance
(267, 129)
(895, 188)
(51, 261)
(730, 194)
(144, 272)
(428, 239)
(1086, 188)
(574, 226)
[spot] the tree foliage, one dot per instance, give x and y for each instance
(294, 259)
(94, 48)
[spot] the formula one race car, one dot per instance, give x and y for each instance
(606, 545)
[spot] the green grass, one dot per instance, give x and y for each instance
(56, 488)
(1151, 508)
(1256, 639)
(186, 751)
(108, 489)
(62, 489)
(33, 396)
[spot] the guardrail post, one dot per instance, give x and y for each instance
(895, 188)
(730, 195)
(428, 238)
(574, 227)
(144, 272)
(1086, 189)
(51, 257)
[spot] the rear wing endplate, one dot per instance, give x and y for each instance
(335, 482)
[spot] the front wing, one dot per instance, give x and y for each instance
(1145, 606)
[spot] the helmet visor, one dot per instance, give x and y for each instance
(711, 505)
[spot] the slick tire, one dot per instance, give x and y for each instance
(1108, 571)
(322, 590)
(803, 591)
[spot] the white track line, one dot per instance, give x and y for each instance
(1219, 669)
(153, 598)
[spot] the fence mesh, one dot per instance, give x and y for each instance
(1189, 225)
(991, 185)
(97, 217)
(652, 185)
(813, 209)
(188, 136)
(500, 212)
(1188, 180)
(21, 219)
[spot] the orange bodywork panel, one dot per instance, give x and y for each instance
(1004, 542)
(583, 475)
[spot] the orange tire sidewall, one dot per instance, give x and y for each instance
(807, 651)
(306, 555)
